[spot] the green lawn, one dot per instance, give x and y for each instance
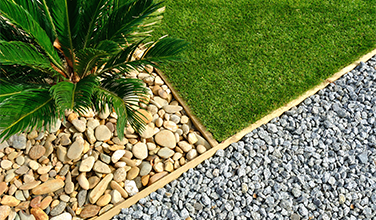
(249, 57)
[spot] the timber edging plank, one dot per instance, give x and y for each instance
(235, 138)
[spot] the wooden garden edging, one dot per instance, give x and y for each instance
(235, 138)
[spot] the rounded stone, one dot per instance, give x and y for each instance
(120, 174)
(75, 150)
(159, 122)
(165, 153)
(133, 173)
(185, 146)
(101, 167)
(24, 216)
(102, 133)
(4, 211)
(49, 186)
(201, 149)
(39, 214)
(170, 126)
(145, 168)
(104, 200)
(6, 164)
(87, 164)
(9, 201)
(33, 164)
(130, 187)
(80, 125)
(20, 160)
(165, 138)
(83, 181)
(116, 196)
(36, 152)
(191, 154)
(148, 132)
(140, 151)
(44, 169)
(192, 138)
(89, 211)
(184, 119)
(158, 167)
(57, 210)
(18, 141)
(151, 146)
(172, 108)
(117, 155)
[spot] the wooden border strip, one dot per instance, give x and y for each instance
(235, 138)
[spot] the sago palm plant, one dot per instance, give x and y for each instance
(73, 54)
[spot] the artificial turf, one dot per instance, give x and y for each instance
(249, 57)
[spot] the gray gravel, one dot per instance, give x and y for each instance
(316, 161)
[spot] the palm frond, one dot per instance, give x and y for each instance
(8, 89)
(10, 33)
(109, 46)
(130, 22)
(120, 59)
(37, 10)
(25, 74)
(165, 50)
(162, 52)
(30, 109)
(87, 59)
(75, 96)
(123, 96)
(23, 20)
(65, 15)
(20, 53)
(91, 14)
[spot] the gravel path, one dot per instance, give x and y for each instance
(316, 161)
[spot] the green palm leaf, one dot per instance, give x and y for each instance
(87, 59)
(91, 15)
(75, 96)
(20, 53)
(23, 20)
(8, 89)
(11, 33)
(24, 74)
(119, 60)
(30, 109)
(123, 96)
(130, 22)
(37, 10)
(111, 47)
(165, 50)
(65, 14)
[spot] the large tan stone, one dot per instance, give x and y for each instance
(90, 211)
(39, 214)
(165, 138)
(100, 188)
(49, 186)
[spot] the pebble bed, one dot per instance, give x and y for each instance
(316, 161)
(80, 168)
